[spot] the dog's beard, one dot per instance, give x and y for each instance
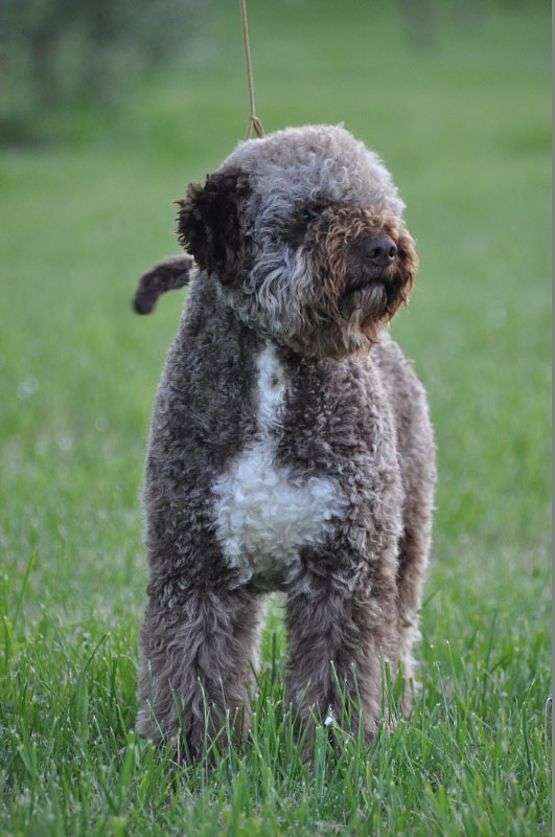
(292, 307)
(362, 313)
(354, 294)
(369, 302)
(352, 321)
(316, 308)
(351, 324)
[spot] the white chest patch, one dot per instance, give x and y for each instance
(264, 513)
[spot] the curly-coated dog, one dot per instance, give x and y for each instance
(290, 447)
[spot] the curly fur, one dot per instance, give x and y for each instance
(290, 446)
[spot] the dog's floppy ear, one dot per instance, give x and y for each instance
(210, 223)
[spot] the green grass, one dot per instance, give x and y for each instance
(464, 125)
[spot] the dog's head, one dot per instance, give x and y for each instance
(302, 231)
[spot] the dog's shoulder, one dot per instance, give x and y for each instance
(396, 370)
(408, 401)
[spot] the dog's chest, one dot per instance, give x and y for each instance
(265, 512)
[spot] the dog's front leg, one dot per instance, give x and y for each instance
(341, 627)
(198, 650)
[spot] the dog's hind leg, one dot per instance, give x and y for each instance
(414, 548)
(198, 652)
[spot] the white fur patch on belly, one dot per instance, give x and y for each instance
(264, 514)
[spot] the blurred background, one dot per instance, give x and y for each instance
(108, 109)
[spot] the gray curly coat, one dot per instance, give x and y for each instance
(290, 446)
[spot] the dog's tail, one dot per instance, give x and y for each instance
(166, 275)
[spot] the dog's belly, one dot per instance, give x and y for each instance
(265, 516)
(266, 513)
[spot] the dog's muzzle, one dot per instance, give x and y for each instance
(380, 252)
(372, 260)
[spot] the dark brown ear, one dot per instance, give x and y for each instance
(211, 225)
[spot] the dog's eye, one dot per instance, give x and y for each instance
(310, 213)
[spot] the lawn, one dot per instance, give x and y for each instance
(464, 124)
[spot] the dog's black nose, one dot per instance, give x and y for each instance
(380, 251)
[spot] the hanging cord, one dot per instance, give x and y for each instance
(254, 122)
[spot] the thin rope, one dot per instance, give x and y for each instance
(254, 122)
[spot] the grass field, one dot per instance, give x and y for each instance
(464, 125)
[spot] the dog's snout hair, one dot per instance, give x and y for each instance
(354, 296)
(341, 242)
